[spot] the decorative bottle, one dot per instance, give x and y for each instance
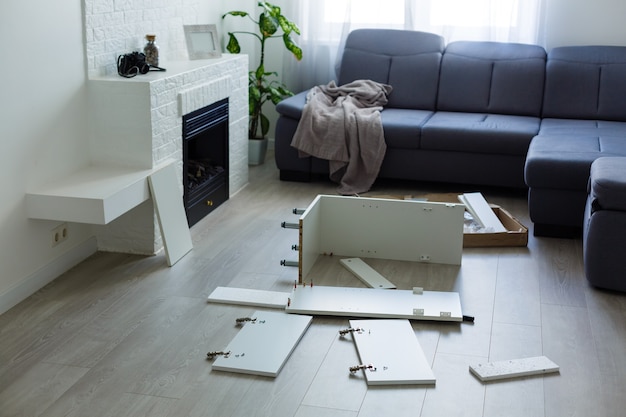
(151, 50)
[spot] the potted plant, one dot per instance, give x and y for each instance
(263, 85)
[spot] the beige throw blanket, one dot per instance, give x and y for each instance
(342, 125)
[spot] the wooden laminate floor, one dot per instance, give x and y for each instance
(122, 335)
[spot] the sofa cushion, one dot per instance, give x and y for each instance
(580, 127)
(409, 61)
(402, 127)
(586, 82)
(607, 183)
(479, 133)
(564, 162)
(492, 77)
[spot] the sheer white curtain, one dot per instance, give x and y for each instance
(326, 23)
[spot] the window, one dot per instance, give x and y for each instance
(365, 12)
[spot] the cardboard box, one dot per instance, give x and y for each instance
(516, 234)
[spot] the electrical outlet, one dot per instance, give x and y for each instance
(59, 234)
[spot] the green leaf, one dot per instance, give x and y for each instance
(292, 46)
(233, 44)
(235, 13)
(265, 125)
(260, 72)
(268, 25)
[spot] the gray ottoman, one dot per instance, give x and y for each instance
(604, 233)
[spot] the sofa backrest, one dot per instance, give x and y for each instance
(492, 77)
(586, 82)
(407, 60)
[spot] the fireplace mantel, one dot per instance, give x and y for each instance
(136, 127)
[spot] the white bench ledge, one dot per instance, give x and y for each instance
(96, 194)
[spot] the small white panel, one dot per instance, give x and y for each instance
(171, 213)
(400, 362)
(262, 347)
(482, 213)
(375, 303)
(513, 368)
(366, 273)
(247, 297)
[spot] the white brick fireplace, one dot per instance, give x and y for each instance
(137, 123)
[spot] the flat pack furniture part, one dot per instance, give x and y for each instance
(538, 365)
(168, 201)
(393, 351)
(481, 211)
(368, 275)
(249, 297)
(380, 228)
(263, 346)
(376, 303)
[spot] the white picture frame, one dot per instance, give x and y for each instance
(202, 41)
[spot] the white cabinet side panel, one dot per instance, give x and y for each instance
(394, 351)
(309, 237)
(392, 229)
(249, 297)
(262, 347)
(376, 303)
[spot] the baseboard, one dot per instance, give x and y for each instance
(47, 274)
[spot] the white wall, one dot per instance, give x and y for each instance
(43, 73)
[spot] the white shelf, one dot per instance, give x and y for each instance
(94, 194)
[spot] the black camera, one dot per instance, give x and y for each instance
(129, 65)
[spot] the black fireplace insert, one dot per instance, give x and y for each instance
(205, 160)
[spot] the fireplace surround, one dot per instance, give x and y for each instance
(138, 123)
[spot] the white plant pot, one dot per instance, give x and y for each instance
(257, 148)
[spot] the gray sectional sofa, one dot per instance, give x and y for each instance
(484, 113)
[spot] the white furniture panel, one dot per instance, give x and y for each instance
(491, 371)
(381, 228)
(376, 303)
(393, 350)
(170, 209)
(249, 297)
(368, 275)
(263, 346)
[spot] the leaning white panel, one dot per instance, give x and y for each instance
(249, 297)
(262, 347)
(376, 303)
(368, 275)
(394, 352)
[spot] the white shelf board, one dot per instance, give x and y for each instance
(513, 368)
(262, 347)
(399, 363)
(376, 303)
(95, 194)
(249, 297)
(368, 275)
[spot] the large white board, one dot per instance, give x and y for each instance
(170, 209)
(380, 228)
(263, 346)
(393, 350)
(376, 303)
